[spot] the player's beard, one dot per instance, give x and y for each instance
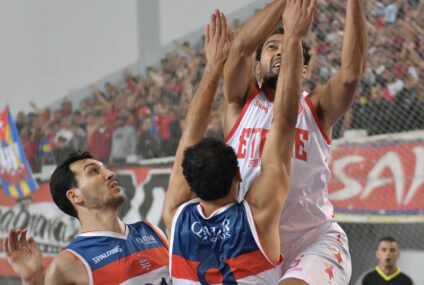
(270, 81)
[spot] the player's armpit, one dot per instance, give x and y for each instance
(333, 99)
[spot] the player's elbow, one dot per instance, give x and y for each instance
(351, 78)
(238, 48)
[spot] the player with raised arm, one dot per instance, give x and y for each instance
(107, 251)
(214, 239)
(315, 247)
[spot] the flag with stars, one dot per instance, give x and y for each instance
(15, 173)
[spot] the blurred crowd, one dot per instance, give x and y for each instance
(142, 117)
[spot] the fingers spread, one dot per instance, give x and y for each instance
(6, 246)
(23, 239)
(312, 7)
(207, 33)
(32, 244)
(223, 24)
(213, 25)
(218, 23)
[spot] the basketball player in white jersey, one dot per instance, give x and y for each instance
(314, 246)
(229, 254)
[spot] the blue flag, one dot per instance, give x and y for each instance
(15, 172)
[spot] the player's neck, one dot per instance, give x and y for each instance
(208, 207)
(388, 270)
(101, 220)
(269, 92)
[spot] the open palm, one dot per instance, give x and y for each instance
(23, 255)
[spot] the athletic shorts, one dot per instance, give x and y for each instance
(319, 257)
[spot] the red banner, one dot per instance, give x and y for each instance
(378, 178)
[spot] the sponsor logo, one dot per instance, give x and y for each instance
(212, 234)
(106, 254)
(261, 106)
(146, 239)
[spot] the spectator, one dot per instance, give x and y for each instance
(123, 141)
(62, 150)
(147, 146)
(99, 138)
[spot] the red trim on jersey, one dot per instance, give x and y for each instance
(281, 260)
(131, 266)
(240, 116)
(186, 269)
(269, 96)
(249, 264)
(317, 120)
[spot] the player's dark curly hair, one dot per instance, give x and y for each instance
(209, 168)
(63, 179)
(280, 30)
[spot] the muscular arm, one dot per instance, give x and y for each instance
(238, 72)
(335, 97)
(66, 269)
(268, 192)
(198, 115)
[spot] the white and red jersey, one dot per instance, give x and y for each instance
(307, 204)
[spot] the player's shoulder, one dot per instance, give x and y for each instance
(66, 269)
(406, 278)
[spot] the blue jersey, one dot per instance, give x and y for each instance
(140, 257)
(223, 248)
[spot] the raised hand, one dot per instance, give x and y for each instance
(217, 40)
(23, 255)
(297, 17)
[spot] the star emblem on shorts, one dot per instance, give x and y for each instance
(329, 271)
(338, 256)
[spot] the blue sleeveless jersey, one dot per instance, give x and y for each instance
(220, 249)
(140, 258)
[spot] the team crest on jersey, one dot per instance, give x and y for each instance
(145, 263)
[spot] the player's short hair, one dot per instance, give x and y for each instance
(280, 30)
(63, 179)
(386, 238)
(209, 168)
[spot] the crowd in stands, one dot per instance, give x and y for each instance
(143, 117)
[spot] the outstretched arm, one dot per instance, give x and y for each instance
(335, 97)
(238, 72)
(268, 192)
(217, 43)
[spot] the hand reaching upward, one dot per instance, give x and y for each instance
(297, 17)
(217, 40)
(23, 255)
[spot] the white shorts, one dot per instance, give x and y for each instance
(319, 257)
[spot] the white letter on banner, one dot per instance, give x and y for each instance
(418, 175)
(392, 161)
(352, 187)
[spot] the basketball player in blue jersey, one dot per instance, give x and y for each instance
(213, 238)
(314, 246)
(107, 251)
